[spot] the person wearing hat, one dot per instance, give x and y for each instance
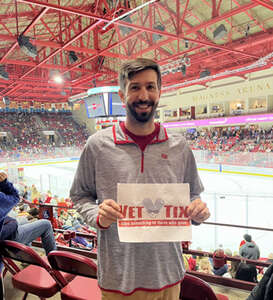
(249, 249)
(219, 263)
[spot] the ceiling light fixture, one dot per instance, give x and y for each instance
(58, 78)
(156, 36)
(220, 32)
(26, 46)
(259, 63)
(72, 57)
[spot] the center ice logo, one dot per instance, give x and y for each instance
(153, 208)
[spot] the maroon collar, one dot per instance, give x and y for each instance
(121, 137)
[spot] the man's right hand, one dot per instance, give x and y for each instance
(109, 213)
(3, 176)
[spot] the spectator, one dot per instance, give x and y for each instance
(9, 197)
(264, 289)
(246, 272)
(219, 263)
(234, 264)
(29, 232)
(249, 249)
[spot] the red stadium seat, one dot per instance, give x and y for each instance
(84, 286)
(194, 288)
(38, 278)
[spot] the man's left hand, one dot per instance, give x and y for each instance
(198, 211)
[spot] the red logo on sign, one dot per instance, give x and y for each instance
(164, 156)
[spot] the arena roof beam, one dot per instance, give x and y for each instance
(30, 26)
(151, 30)
(90, 27)
(264, 4)
(224, 16)
(55, 45)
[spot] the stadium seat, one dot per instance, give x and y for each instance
(194, 288)
(84, 286)
(38, 277)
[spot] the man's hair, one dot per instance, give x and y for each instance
(247, 237)
(132, 67)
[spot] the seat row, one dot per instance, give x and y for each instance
(73, 275)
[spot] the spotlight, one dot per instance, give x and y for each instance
(186, 60)
(183, 70)
(58, 78)
(247, 30)
(72, 57)
(26, 46)
(220, 32)
(156, 36)
(3, 73)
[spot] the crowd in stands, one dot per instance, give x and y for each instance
(25, 140)
(219, 264)
(25, 137)
(64, 217)
(233, 139)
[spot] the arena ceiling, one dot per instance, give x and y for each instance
(214, 39)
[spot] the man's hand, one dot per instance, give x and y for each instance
(198, 211)
(3, 176)
(109, 213)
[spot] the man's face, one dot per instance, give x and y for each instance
(141, 96)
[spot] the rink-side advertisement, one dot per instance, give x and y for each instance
(154, 212)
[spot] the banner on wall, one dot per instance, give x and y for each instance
(47, 106)
(231, 92)
(13, 104)
(76, 106)
(37, 105)
(25, 104)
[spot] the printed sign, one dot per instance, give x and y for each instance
(154, 212)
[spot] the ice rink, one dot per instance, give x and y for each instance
(232, 199)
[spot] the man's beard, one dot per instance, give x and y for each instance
(142, 117)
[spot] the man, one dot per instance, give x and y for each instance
(26, 233)
(249, 249)
(8, 198)
(137, 151)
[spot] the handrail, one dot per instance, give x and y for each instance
(220, 280)
(80, 251)
(224, 281)
(268, 195)
(81, 234)
(238, 226)
(231, 258)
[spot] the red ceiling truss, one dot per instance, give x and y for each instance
(165, 30)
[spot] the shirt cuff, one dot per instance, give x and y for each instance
(98, 223)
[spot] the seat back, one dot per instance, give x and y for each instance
(11, 250)
(194, 288)
(22, 253)
(72, 263)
